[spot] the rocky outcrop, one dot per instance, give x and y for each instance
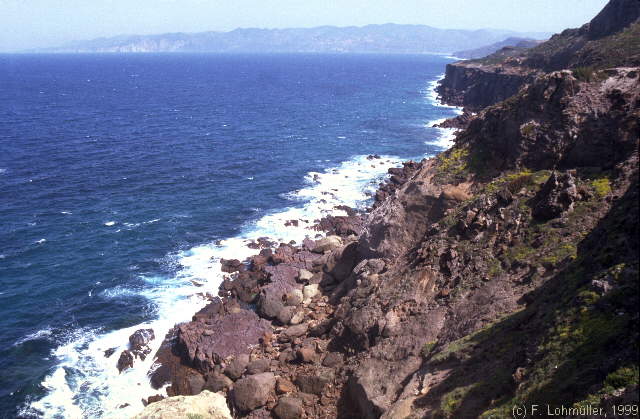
(204, 405)
(559, 121)
(138, 348)
(609, 40)
(476, 86)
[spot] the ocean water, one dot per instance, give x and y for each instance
(124, 179)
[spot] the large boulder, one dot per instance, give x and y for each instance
(274, 295)
(236, 368)
(289, 408)
(556, 197)
(327, 243)
(341, 261)
(206, 405)
(313, 384)
(253, 391)
(202, 345)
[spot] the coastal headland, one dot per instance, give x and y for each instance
(502, 272)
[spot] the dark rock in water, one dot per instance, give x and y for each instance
(125, 361)
(231, 265)
(109, 352)
(139, 342)
(254, 391)
(140, 339)
(289, 408)
(556, 197)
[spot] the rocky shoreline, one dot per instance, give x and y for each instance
(265, 340)
(501, 271)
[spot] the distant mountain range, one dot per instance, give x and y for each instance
(387, 38)
(520, 43)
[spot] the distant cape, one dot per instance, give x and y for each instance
(387, 38)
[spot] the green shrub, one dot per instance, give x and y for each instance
(623, 377)
(601, 186)
(428, 348)
(584, 73)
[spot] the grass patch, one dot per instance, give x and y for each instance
(428, 348)
(451, 401)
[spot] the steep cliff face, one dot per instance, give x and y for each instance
(611, 39)
(478, 86)
(486, 295)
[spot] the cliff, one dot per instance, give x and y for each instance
(502, 273)
(611, 39)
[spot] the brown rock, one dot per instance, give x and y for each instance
(152, 399)
(312, 384)
(342, 261)
(284, 386)
(203, 345)
(217, 382)
(252, 392)
(332, 359)
(258, 366)
(125, 361)
(289, 408)
(306, 354)
(236, 368)
(295, 331)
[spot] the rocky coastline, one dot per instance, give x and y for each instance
(502, 271)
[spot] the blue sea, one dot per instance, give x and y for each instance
(124, 179)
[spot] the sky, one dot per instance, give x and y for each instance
(44, 23)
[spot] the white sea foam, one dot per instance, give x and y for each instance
(87, 384)
(66, 212)
(447, 135)
(110, 223)
(40, 334)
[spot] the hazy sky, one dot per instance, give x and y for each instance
(41, 23)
